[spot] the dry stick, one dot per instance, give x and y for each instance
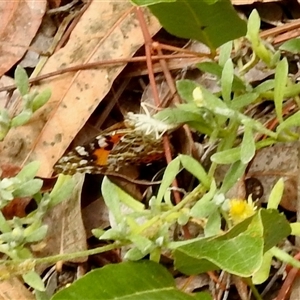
(282, 33)
(281, 29)
(181, 50)
(63, 8)
(96, 64)
(167, 74)
(72, 26)
(287, 285)
(148, 44)
(166, 142)
(176, 99)
(289, 280)
(173, 90)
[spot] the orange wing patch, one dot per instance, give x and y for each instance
(101, 156)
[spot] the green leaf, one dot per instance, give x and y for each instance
(253, 25)
(276, 194)
(202, 296)
(225, 53)
(249, 238)
(34, 280)
(183, 218)
(263, 272)
(41, 99)
(227, 156)
(255, 125)
(215, 69)
(134, 281)
(201, 20)
(62, 189)
(235, 172)
(281, 77)
(5, 195)
(226, 81)
(283, 256)
(169, 175)
(142, 243)
(184, 113)
(29, 171)
(293, 120)
(204, 207)
(226, 252)
(257, 44)
(15, 236)
(242, 101)
(36, 235)
(134, 254)
(21, 118)
(155, 254)
(4, 123)
(112, 234)
(248, 145)
(119, 194)
(200, 127)
(27, 100)
(202, 255)
(295, 227)
(266, 85)
(275, 58)
(276, 227)
(4, 225)
(214, 103)
(21, 80)
(185, 89)
(111, 199)
(195, 168)
(198, 118)
(28, 188)
(213, 224)
(97, 232)
(292, 46)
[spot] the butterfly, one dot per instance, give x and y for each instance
(138, 141)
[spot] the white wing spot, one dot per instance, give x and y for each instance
(83, 162)
(102, 141)
(81, 151)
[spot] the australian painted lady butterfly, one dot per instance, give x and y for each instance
(138, 142)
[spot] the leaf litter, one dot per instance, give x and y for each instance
(75, 97)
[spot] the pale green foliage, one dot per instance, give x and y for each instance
(32, 101)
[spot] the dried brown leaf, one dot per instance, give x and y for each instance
(13, 288)
(272, 163)
(107, 30)
(20, 20)
(54, 3)
(66, 232)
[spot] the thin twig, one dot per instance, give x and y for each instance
(61, 8)
(92, 65)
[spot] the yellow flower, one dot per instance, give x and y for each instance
(240, 209)
(198, 97)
